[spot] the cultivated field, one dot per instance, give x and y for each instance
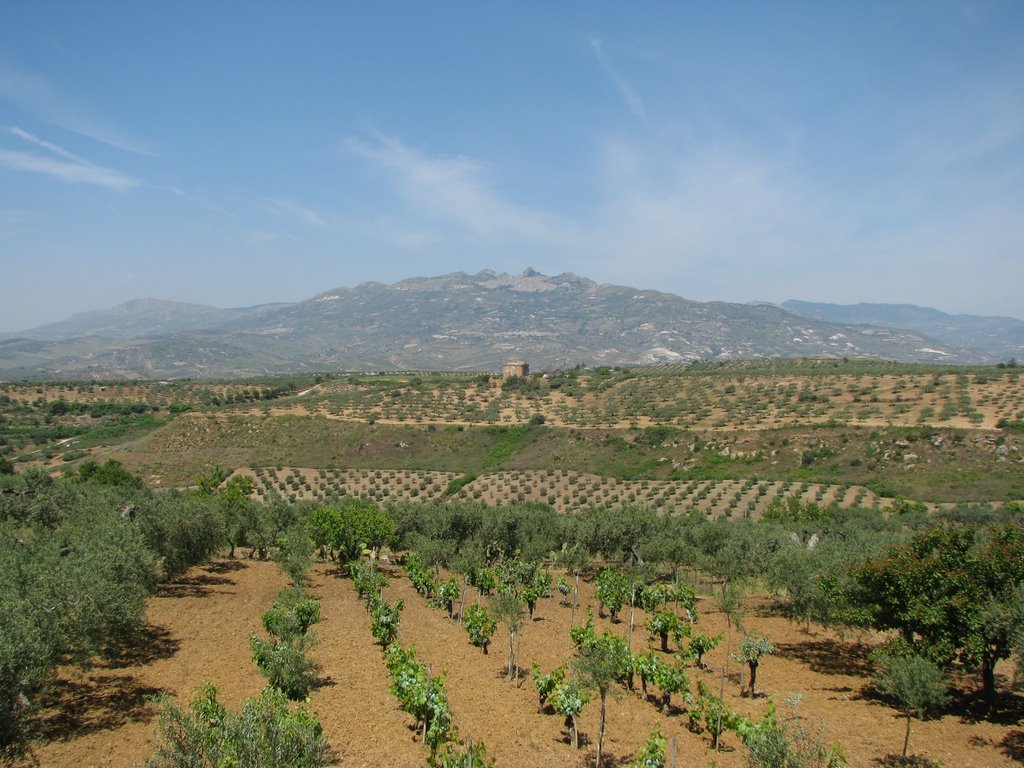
(200, 625)
(848, 456)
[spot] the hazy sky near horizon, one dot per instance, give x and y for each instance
(233, 153)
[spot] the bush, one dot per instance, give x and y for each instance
(292, 614)
(788, 741)
(421, 695)
(385, 620)
(568, 700)
(917, 684)
(183, 530)
(665, 623)
(458, 755)
(295, 554)
(285, 665)
(264, 733)
(546, 684)
(701, 644)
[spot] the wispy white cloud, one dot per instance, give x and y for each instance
(702, 221)
(712, 220)
(736, 223)
(626, 90)
(455, 191)
(197, 200)
(285, 207)
(66, 166)
(32, 139)
(66, 171)
(33, 94)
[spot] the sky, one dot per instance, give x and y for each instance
(234, 153)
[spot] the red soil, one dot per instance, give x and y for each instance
(199, 629)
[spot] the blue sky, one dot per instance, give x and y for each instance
(241, 153)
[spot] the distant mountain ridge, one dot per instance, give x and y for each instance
(455, 321)
(140, 318)
(999, 336)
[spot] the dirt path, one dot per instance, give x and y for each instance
(360, 716)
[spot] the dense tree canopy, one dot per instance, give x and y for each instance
(948, 593)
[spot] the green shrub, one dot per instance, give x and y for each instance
(568, 700)
(546, 684)
(480, 625)
(385, 620)
(264, 733)
(665, 623)
(292, 614)
(285, 665)
(295, 554)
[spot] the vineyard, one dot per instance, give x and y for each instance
(365, 725)
(678, 566)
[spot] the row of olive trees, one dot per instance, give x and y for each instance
(78, 557)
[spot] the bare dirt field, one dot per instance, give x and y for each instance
(199, 628)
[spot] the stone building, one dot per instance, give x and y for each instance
(515, 368)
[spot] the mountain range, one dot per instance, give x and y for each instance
(997, 336)
(476, 322)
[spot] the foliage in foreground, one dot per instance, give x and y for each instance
(653, 753)
(265, 733)
(71, 587)
(949, 592)
(480, 626)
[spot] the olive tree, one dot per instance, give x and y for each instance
(917, 684)
(600, 664)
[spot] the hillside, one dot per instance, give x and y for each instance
(863, 451)
(1000, 336)
(825, 430)
(453, 322)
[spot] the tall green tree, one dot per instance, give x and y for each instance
(948, 592)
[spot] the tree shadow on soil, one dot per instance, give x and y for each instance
(608, 759)
(223, 566)
(148, 645)
(197, 585)
(73, 708)
(906, 761)
(1012, 745)
(523, 674)
(323, 681)
(830, 657)
(970, 705)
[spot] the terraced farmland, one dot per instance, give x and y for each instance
(565, 491)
